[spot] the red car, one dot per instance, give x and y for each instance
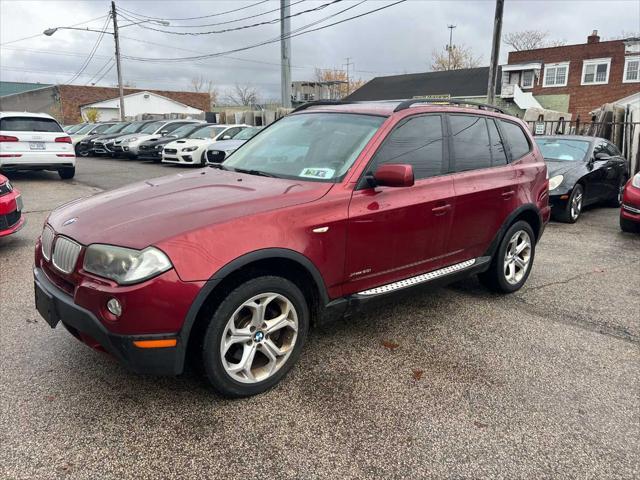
(630, 209)
(11, 219)
(327, 210)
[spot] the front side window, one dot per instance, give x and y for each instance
(417, 142)
(207, 132)
(516, 138)
(317, 147)
(631, 70)
(595, 72)
(184, 130)
(132, 128)
(470, 142)
(101, 129)
(114, 128)
(29, 124)
(152, 128)
(556, 75)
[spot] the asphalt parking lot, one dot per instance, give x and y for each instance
(454, 383)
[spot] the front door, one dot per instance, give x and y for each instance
(396, 233)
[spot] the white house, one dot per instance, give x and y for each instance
(138, 104)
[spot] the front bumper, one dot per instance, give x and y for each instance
(56, 306)
(630, 209)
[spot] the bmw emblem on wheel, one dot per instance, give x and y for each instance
(258, 336)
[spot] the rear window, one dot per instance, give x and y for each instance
(29, 124)
(516, 139)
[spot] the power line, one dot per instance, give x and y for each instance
(91, 54)
(37, 35)
(113, 64)
(241, 49)
(242, 27)
(220, 23)
(195, 18)
(99, 71)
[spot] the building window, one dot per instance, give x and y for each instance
(527, 79)
(596, 72)
(556, 75)
(631, 70)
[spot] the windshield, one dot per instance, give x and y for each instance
(152, 127)
(115, 128)
(86, 128)
(74, 128)
(101, 129)
(247, 133)
(315, 146)
(208, 132)
(183, 131)
(563, 149)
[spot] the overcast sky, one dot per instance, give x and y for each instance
(399, 39)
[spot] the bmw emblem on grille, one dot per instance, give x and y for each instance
(70, 221)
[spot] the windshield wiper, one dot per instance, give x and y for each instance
(254, 172)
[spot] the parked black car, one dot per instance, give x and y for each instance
(152, 149)
(82, 148)
(582, 171)
(104, 145)
(89, 144)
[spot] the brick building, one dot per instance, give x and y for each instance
(64, 102)
(575, 78)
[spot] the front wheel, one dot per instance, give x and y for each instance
(511, 264)
(255, 336)
(67, 172)
(573, 208)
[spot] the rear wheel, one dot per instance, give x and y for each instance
(67, 173)
(573, 208)
(511, 264)
(255, 336)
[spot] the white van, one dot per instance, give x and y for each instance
(35, 141)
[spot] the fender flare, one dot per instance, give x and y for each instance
(234, 265)
(528, 207)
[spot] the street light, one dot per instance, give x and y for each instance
(50, 31)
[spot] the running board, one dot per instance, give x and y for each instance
(423, 278)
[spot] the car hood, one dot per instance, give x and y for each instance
(107, 137)
(150, 212)
(226, 145)
(159, 141)
(555, 167)
(190, 142)
(120, 138)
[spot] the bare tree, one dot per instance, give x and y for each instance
(199, 84)
(343, 86)
(530, 40)
(461, 57)
(624, 35)
(242, 95)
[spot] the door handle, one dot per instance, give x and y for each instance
(441, 210)
(508, 194)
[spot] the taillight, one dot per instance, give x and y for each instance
(63, 140)
(7, 138)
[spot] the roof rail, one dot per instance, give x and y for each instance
(482, 106)
(304, 106)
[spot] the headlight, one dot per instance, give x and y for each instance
(554, 182)
(129, 140)
(635, 182)
(125, 265)
(190, 149)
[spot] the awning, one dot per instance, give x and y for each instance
(522, 66)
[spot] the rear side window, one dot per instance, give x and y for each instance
(29, 124)
(470, 142)
(516, 138)
(498, 153)
(417, 142)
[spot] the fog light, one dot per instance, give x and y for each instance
(114, 307)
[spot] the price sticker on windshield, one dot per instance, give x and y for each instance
(322, 173)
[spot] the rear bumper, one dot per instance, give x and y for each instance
(37, 161)
(56, 306)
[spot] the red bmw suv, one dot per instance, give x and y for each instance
(332, 208)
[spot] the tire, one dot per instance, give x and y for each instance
(617, 201)
(576, 199)
(67, 172)
(203, 159)
(500, 277)
(252, 339)
(628, 226)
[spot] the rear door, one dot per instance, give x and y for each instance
(484, 184)
(396, 233)
(32, 134)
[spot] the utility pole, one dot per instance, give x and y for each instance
(495, 53)
(450, 46)
(285, 52)
(349, 63)
(118, 67)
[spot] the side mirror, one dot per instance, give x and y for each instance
(164, 132)
(602, 156)
(226, 137)
(394, 175)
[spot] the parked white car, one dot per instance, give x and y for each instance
(35, 141)
(129, 145)
(191, 150)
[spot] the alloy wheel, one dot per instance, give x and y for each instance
(576, 205)
(517, 257)
(259, 338)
